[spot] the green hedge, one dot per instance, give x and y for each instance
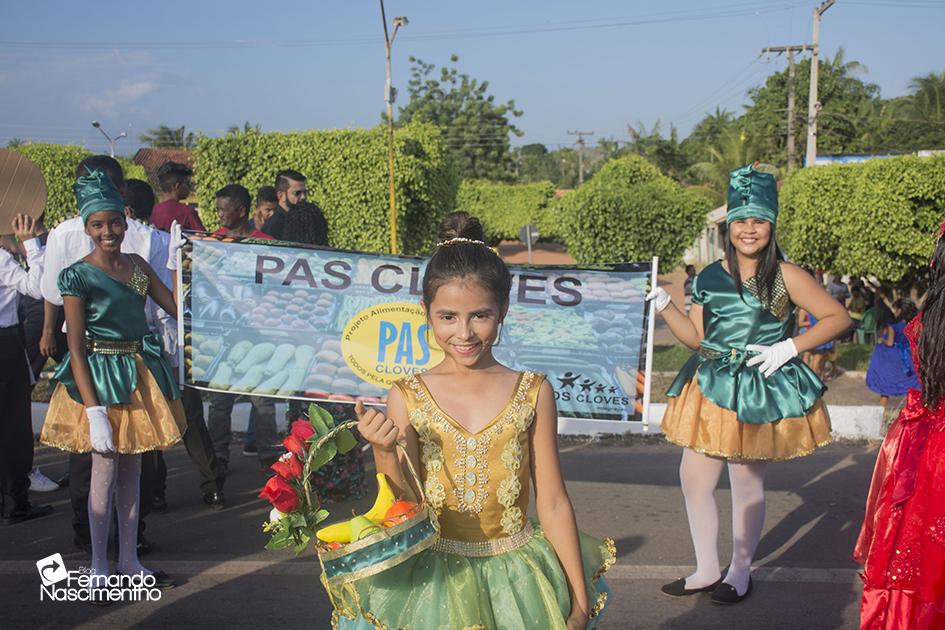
(58, 162)
(874, 218)
(505, 208)
(347, 177)
(631, 212)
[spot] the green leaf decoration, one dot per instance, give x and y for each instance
(345, 441)
(324, 454)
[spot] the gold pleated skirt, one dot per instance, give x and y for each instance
(149, 422)
(695, 422)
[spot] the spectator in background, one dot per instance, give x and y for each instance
(174, 180)
(838, 290)
(266, 204)
(891, 371)
(30, 312)
(290, 190)
(139, 200)
(16, 426)
(233, 207)
(687, 286)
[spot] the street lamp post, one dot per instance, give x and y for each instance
(111, 142)
(389, 96)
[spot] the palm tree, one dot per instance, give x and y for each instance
(13, 143)
(927, 101)
(733, 149)
(234, 130)
(164, 137)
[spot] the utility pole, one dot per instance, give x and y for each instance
(580, 144)
(813, 105)
(790, 50)
(389, 95)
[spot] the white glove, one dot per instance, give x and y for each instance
(661, 296)
(177, 241)
(100, 431)
(773, 357)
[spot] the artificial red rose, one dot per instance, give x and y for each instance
(294, 445)
(280, 494)
(288, 467)
(302, 429)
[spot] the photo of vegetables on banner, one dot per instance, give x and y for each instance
(294, 321)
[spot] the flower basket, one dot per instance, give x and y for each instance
(381, 550)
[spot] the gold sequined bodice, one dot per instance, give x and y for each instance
(476, 483)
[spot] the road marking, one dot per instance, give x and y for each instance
(632, 572)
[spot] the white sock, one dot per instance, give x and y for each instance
(101, 490)
(128, 491)
(748, 519)
(698, 475)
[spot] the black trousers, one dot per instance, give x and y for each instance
(16, 426)
(199, 447)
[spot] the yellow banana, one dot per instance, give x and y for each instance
(341, 532)
(385, 499)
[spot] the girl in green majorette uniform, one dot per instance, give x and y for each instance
(745, 398)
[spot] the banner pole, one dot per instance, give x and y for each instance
(648, 369)
(180, 320)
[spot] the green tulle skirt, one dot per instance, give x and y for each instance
(520, 589)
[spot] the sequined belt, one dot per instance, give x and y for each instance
(108, 346)
(486, 547)
(734, 358)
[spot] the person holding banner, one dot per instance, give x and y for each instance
(116, 395)
(745, 398)
(479, 433)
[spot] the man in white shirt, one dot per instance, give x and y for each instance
(66, 244)
(16, 425)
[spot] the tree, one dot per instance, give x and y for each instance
(665, 153)
(247, 128)
(845, 114)
(13, 143)
(917, 121)
(164, 137)
(475, 127)
(733, 149)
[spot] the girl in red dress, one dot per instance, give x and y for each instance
(902, 542)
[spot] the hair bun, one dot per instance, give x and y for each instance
(461, 225)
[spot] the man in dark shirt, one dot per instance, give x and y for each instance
(290, 191)
(174, 180)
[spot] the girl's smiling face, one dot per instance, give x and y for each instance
(750, 236)
(465, 317)
(107, 230)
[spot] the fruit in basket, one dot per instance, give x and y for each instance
(399, 512)
(362, 526)
(335, 533)
(344, 532)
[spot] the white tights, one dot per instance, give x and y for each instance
(115, 478)
(699, 475)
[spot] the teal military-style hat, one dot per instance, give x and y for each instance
(95, 192)
(752, 194)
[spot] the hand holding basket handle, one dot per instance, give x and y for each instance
(379, 430)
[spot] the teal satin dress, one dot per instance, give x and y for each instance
(114, 311)
(732, 321)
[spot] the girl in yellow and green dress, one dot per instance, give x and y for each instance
(744, 398)
(116, 395)
(481, 435)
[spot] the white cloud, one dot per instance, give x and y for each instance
(127, 93)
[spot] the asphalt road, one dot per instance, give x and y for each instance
(803, 575)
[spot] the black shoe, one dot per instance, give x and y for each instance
(162, 580)
(82, 545)
(250, 450)
(726, 594)
(678, 588)
(26, 512)
(144, 546)
(215, 500)
(160, 504)
(63, 481)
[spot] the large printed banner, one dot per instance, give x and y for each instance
(302, 322)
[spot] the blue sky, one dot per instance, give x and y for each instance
(594, 65)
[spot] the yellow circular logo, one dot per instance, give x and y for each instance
(390, 341)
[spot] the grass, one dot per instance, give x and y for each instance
(849, 357)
